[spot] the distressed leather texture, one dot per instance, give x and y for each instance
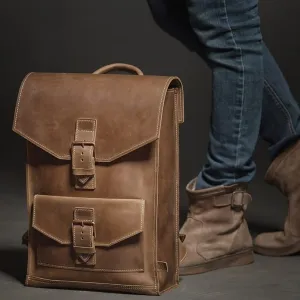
(283, 173)
(102, 180)
(215, 226)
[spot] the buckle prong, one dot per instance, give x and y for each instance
(82, 143)
(240, 203)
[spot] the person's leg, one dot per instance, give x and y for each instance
(215, 233)
(280, 126)
(230, 32)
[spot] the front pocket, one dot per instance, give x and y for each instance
(92, 234)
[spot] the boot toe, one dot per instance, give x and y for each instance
(264, 240)
(276, 244)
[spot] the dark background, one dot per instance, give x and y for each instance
(80, 36)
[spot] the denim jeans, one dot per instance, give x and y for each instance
(250, 94)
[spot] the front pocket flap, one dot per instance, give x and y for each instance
(115, 219)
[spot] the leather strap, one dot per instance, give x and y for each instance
(84, 233)
(237, 199)
(83, 154)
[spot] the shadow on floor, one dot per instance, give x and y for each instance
(13, 261)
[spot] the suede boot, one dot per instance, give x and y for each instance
(215, 234)
(284, 173)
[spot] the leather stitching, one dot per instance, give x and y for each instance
(74, 238)
(98, 159)
(77, 209)
(131, 234)
(50, 236)
(84, 209)
(142, 212)
(41, 230)
(177, 185)
(155, 196)
(96, 244)
(91, 236)
(159, 268)
(29, 206)
(181, 107)
(88, 270)
(120, 239)
(90, 157)
(73, 160)
(19, 97)
(76, 218)
(115, 156)
(156, 170)
(91, 183)
(132, 287)
(85, 121)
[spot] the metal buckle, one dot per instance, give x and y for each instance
(82, 143)
(87, 223)
(85, 143)
(234, 203)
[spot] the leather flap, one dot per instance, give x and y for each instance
(115, 219)
(127, 109)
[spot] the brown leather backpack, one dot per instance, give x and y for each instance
(102, 179)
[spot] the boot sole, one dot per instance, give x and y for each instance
(291, 250)
(232, 260)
